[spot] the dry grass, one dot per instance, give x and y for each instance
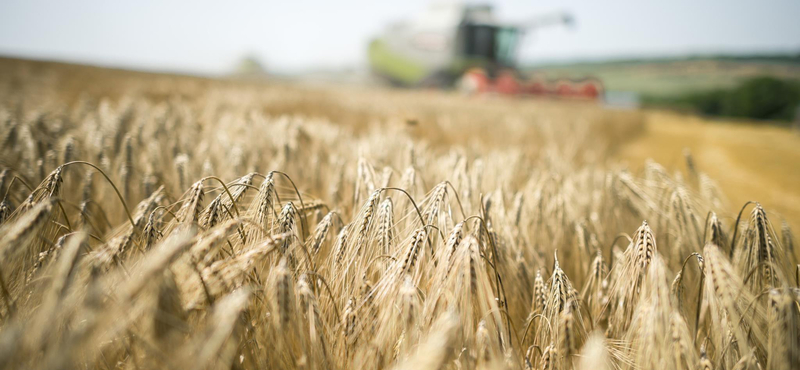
(174, 222)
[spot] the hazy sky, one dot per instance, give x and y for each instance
(294, 35)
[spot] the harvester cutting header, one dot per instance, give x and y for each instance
(465, 46)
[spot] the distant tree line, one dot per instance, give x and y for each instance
(764, 98)
(783, 58)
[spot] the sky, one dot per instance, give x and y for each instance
(209, 37)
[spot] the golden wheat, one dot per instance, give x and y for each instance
(489, 235)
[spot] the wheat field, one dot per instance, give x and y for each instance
(173, 222)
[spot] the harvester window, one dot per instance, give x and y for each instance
(479, 41)
(493, 44)
(506, 40)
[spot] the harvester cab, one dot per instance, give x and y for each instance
(464, 46)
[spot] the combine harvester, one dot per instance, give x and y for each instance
(464, 46)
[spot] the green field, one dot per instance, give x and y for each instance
(660, 78)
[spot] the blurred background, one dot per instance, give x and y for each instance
(718, 79)
(720, 58)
